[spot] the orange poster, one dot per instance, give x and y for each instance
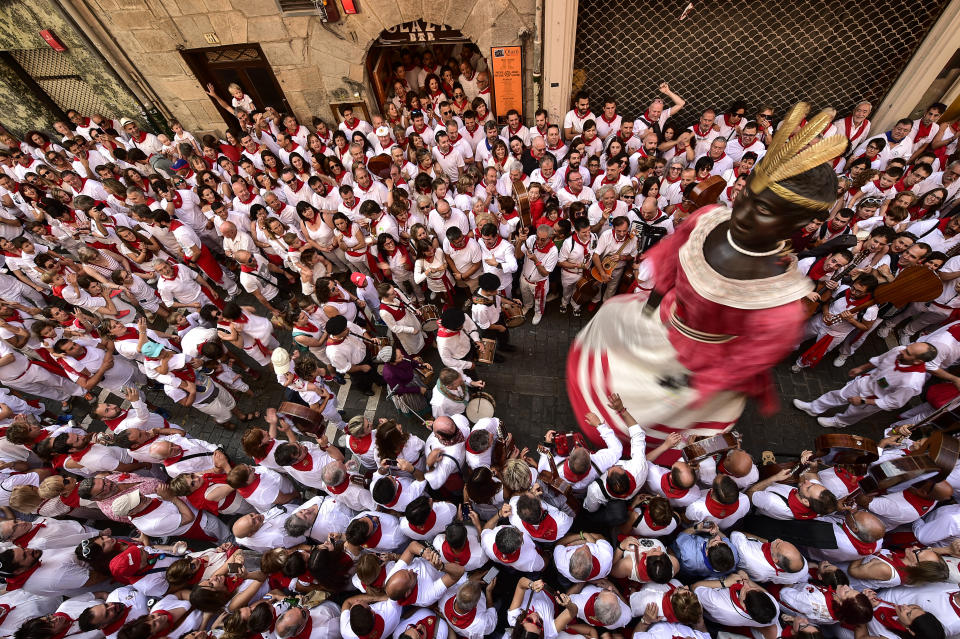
(507, 67)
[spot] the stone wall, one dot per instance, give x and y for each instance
(308, 57)
(20, 24)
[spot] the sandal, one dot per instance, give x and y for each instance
(248, 417)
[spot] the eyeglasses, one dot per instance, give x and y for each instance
(740, 114)
(289, 181)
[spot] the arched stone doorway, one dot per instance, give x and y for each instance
(403, 43)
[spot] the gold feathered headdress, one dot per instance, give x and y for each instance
(788, 155)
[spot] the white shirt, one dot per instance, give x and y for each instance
(754, 560)
(271, 533)
(387, 610)
(699, 511)
(430, 586)
(583, 597)
(476, 624)
(475, 557)
(636, 467)
(718, 606)
(601, 550)
(529, 560)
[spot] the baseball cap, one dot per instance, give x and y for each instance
(125, 566)
(125, 503)
(151, 349)
(281, 361)
(359, 279)
(179, 164)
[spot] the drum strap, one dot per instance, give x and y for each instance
(459, 468)
(599, 482)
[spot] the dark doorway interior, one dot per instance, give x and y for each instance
(244, 64)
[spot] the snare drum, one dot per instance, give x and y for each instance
(486, 349)
(429, 317)
(480, 405)
(513, 314)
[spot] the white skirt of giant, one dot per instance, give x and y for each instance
(625, 350)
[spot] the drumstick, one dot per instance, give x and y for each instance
(393, 391)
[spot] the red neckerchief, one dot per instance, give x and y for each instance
(461, 245)
(340, 488)
(397, 312)
(863, 548)
(78, 455)
(24, 539)
(852, 301)
(249, 489)
(333, 340)
(130, 333)
(545, 248)
(887, 616)
(411, 597)
(118, 623)
(921, 504)
(16, 582)
(545, 530)
(923, 130)
(146, 443)
(507, 559)
(460, 620)
(249, 199)
(460, 557)
(914, 368)
(594, 568)
(735, 597)
(850, 480)
(718, 510)
(669, 490)
(304, 464)
(633, 485)
(360, 445)
(649, 522)
(696, 130)
(589, 610)
(569, 474)
(63, 633)
(176, 271)
(396, 495)
(427, 526)
(666, 606)
(768, 555)
(611, 120)
(377, 631)
(199, 496)
(848, 126)
(798, 509)
(445, 332)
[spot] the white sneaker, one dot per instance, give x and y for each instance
(830, 422)
(840, 360)
(536, 318)
(884, 331)
(805, 407)
(903, 338)
(229, 297)
(794, 369)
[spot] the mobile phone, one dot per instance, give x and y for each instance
(464, 511)
(233, 568)
(491, 575)
(391, 462)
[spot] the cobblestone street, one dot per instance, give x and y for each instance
(529, 389)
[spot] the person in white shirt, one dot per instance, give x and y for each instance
(541, 256)
(421, 577)
(925, 129)
(469, 609)
(575, 118)
(899, 144)
(615, 242)
(737, 601)
(581, 558)
(886, 382)
(452, 392)
(261, 532)
(600, 607)
(507, 546)
(456, 336)
(625, 478)
(317, 518)
(361, 617)
(774, 561)
(447, 157)
(723, 503)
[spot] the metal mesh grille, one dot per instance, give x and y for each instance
(57, 76)
(828, 52)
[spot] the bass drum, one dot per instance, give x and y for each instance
(480, 405)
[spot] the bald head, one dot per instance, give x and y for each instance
(444, 426)
(867, 526)
(242, 256)
(737, 463)
(229, 230)
(400, 584)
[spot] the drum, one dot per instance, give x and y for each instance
(480, 405)
(375, 345)
(412, 403)
(486, 349)
(304, 417)
(513, 315)
(429, 317)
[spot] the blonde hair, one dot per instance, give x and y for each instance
(233, 86)
(25, 499)
(516, 475)
(51, 487)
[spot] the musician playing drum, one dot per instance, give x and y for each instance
(618, 241)
(575, 255)
(396, 312)
(456, 337)
(452, 392)
(488, 316)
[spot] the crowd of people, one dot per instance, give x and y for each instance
(126, 254)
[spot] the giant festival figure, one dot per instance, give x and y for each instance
(725, 306)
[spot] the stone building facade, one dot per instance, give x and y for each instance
(138, 58)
